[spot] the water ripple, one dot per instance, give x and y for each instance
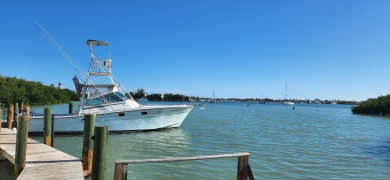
(309, 142)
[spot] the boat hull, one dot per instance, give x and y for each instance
(144, 118)
(288, 103)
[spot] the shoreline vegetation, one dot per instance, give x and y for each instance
(34, 93)
(376, 106)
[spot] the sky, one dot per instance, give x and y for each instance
(322, 49)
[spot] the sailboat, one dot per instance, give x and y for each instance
(213, 100)
(261, 100)
(104, 96)
(285, 101)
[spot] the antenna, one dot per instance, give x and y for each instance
(59, 48)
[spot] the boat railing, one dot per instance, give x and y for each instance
(243, 169)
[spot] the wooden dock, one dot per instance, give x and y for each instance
(42, 161)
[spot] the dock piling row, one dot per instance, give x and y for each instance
(94, 150)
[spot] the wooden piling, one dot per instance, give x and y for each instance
(1, 119)
(17, 110)
(99, 153)
(52, 130)
(70, 109)
(89, 123)
(120, 171)
(1, 116)
(10, 116)
(16, 113)
(242, 168)
(21, 141)
(21, 104)
(47, 137)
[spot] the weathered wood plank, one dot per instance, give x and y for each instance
(42, 162)
(182, 158)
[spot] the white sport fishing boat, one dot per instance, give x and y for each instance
(103, 95)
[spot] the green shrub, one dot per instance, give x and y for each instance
(374, 106)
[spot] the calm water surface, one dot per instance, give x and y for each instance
(310, 142)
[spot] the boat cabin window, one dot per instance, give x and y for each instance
(110, 98)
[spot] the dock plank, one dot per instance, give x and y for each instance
(42, 162)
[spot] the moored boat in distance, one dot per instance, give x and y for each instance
(212, 100)
(103, 95)
(286, 101)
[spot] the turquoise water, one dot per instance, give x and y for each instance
(310, 142)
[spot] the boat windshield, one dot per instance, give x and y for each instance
(121, 95)
(110, 98)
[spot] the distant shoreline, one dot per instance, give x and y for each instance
(297, 101)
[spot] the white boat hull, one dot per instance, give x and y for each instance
(288, 103)
(138, 119)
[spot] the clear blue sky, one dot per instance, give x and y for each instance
(326, 49)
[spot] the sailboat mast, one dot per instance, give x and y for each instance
(285, 92)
